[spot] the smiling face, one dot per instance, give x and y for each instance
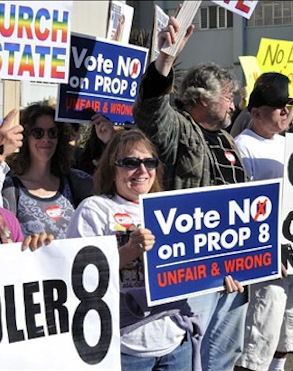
(44, 148)
(130, 183)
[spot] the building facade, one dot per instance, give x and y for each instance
(222, 36)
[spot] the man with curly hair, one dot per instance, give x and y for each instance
(197, 152)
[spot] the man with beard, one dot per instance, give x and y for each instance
(192, 144)
(197, 152)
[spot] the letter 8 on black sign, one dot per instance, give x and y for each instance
(91, 301)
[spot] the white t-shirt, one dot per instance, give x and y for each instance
(99, 216)
(263, 158)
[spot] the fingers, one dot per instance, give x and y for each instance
(230, 286)
(26, 243)
(233, 285)
(240, 288)
(17, 129)
(8, 119)
(48, 239)
(15, 133)
(40, 241)
(189, 31)
(171, 31)
(33, 244)
(142, 239)
(104, 127)
(35, 241)
(11, 139)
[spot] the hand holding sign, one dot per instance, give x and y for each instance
(104, 127)
(34, 241)
(172, 37)
(232, 285)
(139, 240)
(184, 18)
(10, 135)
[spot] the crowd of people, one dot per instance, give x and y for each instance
(48, 194)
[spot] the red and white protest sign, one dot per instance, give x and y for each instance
(243, 8)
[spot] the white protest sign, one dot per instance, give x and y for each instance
(161, 20)
(35, 40)
(243, 8)
(60, 306)
(287, 206)
(185, 17)
(120, 22)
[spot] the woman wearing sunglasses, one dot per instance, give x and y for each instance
(43, 191)
(151, 338)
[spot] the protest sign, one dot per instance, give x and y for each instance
(243, 8)
(103, 78)
(185, 17)
(276, 56)
(60, 306)
(287, 206)
(189, 9)
(35, 40)
(204, 234)
(251, 71)
(120, 22)
(161, 20)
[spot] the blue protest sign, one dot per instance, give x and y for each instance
(205, 234)
(103, 78)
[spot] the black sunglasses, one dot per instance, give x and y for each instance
(38, 133)
(134, 162)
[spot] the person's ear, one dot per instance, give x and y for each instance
(255, 113)
(203, 102)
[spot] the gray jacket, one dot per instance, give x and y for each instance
(179, 140)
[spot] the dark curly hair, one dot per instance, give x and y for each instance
(62, 158)
(124, 140)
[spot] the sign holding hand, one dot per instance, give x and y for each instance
(10, 135)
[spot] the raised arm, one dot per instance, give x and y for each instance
(152, 110)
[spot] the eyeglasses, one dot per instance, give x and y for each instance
(38, 133)
(134, 162)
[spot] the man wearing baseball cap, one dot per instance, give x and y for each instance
(268, 333)
(261, 148)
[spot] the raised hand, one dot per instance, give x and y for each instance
(104, 127)
(10, 135)
(169, 35)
